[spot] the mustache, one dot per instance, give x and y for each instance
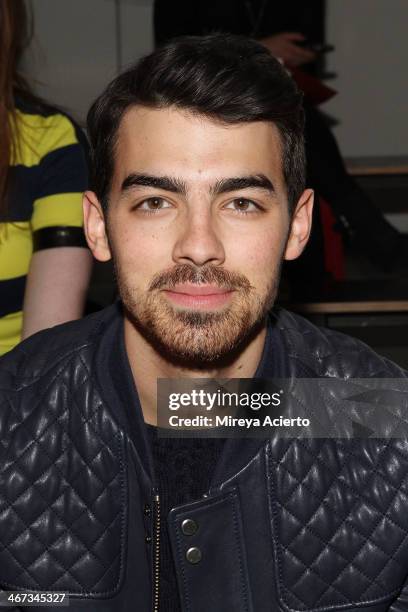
(186, 273)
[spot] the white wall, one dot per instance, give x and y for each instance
(371, 59)
(77, 51)
(81, 44)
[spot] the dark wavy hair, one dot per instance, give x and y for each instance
(229, 78)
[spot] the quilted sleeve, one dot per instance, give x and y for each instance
(401, 603)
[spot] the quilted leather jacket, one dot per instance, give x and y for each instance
(288, 524)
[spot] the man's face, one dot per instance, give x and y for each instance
(198, 225)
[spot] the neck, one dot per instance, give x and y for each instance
(148, 365)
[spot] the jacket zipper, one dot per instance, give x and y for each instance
(156, 554)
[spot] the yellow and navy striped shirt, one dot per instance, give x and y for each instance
(48, 176)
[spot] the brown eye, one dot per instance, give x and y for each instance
(153, 204)
(243, 205)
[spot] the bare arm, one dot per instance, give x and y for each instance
(56, 287)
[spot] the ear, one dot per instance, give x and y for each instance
(300, 226)
(95, 227)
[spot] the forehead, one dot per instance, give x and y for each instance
(198, 148)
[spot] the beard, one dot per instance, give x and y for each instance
(192, 338)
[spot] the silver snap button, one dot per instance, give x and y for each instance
(189, 527)
(193, 555)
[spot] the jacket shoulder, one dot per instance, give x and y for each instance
(326, 352)
(39, 353)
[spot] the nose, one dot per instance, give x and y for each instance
(197, 242)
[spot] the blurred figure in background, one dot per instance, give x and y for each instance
(294, 32)
(45, 264)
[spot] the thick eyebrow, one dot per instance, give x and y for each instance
(167, 183)
(258, 181)
(176, 185)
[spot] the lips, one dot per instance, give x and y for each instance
(189, 289)
(205, 297)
